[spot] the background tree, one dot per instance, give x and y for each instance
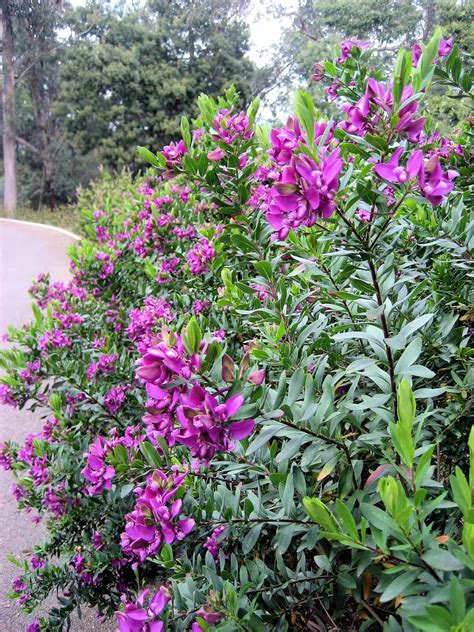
(8, 110)
(317, 26)
(128, 80)
(93, 83)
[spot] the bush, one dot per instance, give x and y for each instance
(257, 384)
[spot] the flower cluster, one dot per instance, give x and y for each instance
(203, 422)
(432, 182)
(144, 322)
(374, 110)
(304, 191)
(97, 472)
(200, 255)
(229, 127)
(141, 615)
(155, 519)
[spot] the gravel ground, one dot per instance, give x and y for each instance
(25, 251)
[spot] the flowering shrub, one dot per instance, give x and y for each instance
(257, 382)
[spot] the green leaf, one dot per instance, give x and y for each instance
(423, 466)
(150, 453)
(192, 337)
(403, 581)
(304, 109)
(442, 560)
(185, 133)
(251, 538)
(457, 600)
(319, 513)
(296, 385)
(406, 405)
(409, 356)
(470, 444)
(148, 156)
(346, 519)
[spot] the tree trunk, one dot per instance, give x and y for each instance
(8, 98)
(42, 116)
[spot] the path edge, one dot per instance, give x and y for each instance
(68, 233)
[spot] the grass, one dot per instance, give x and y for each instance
(67, 217)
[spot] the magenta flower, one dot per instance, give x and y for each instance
(96, 471)
(285, 141)
(445, 47)
(141, 615)
(155, 518)
(214, 541)
(203, 421)
(167, 361)
(304, 192)
(199, 257)
(216, 154)
(365, 215)
(393, 172)
(174, 153)
(376, 105)
(347, 46)
(229, 127)
(434, 183)
(257, 377)
(208, 616)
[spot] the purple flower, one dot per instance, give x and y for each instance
(318, 72)
(208, 616)
(229, 127)
(376, 105)
(285, 141)
(155, 519)
(445, 47)
(216, 154)
(304, 192)
(199, 306)
(6, 396)
(203, 420)
(366, 215)
(214, 541)
(96, 471)
(434, 183)
(174, 153)
(393, 172)
(141, 616)
(199, 257)
(115, 398)
(167, 361)
(347, 46)
(257, 377)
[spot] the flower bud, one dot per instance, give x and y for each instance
(257, 377)
(228, 368)
(318, 72)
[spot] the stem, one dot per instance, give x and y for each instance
(289, 583)
(386, 334)
(344, 302)
(256, 521)
(339, 444)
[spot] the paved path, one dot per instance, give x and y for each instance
(26, 249)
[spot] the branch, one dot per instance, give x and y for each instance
(29, 146)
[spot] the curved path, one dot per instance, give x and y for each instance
(26, 249)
